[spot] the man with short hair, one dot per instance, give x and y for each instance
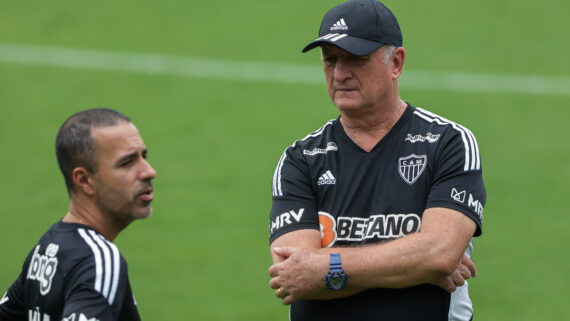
(75, 272)
(372, 213)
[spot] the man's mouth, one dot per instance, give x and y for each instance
(345, 89)
(146, 194)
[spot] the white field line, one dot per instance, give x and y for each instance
(268, 72)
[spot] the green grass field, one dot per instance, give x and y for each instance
(214, 142)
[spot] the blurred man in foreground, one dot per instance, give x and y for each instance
(75, 272)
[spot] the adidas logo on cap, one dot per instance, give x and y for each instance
(326, 179)
(340, 25)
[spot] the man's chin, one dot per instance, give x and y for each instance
(144, 213)
(346, 104)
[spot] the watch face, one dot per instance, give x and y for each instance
(336, 281)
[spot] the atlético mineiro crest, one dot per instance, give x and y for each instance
(411, 167)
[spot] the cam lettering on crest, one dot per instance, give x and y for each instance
(286, 219)
(411, 167)
(43, 267)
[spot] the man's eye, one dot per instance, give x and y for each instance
(329, 60)
(126, 163)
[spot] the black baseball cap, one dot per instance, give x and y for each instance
(359, 27)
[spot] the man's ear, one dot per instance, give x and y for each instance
(398, 62)
(83, 181)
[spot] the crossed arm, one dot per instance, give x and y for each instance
(433, 255)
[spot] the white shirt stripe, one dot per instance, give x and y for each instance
(277, 191)
(108, 279)
(116, 270)
(97, 256)
(477, 164)
(107, 263)
(467, 154)
(277, 176)
(475, 156)
(472, 157)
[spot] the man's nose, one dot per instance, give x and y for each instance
(148, 172)
(342, 71)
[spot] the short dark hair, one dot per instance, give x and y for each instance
(74, 145)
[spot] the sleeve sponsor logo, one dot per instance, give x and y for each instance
(473, 203)
(43, 267)
(82, 317)
(357, 229)
(411, 167)
(458, 196)
(36, 315)
(476, 205)
(431, 138)
(331, 146)
(52, 250)
(286, 219)
(70, 318)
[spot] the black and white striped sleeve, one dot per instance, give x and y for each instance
(96, 285)
(294, 203)
(458, 180)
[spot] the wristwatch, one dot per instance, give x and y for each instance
(336, 279)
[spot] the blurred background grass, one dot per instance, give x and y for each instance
(203, 255)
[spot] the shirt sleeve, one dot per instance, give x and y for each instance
(12, 303)
(458, 181)
(129, 310)
(84, 295)
(294, 205)
(90, 304)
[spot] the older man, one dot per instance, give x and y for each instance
(372, 213)
(75, 272)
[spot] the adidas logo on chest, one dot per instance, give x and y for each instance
(327, 179)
